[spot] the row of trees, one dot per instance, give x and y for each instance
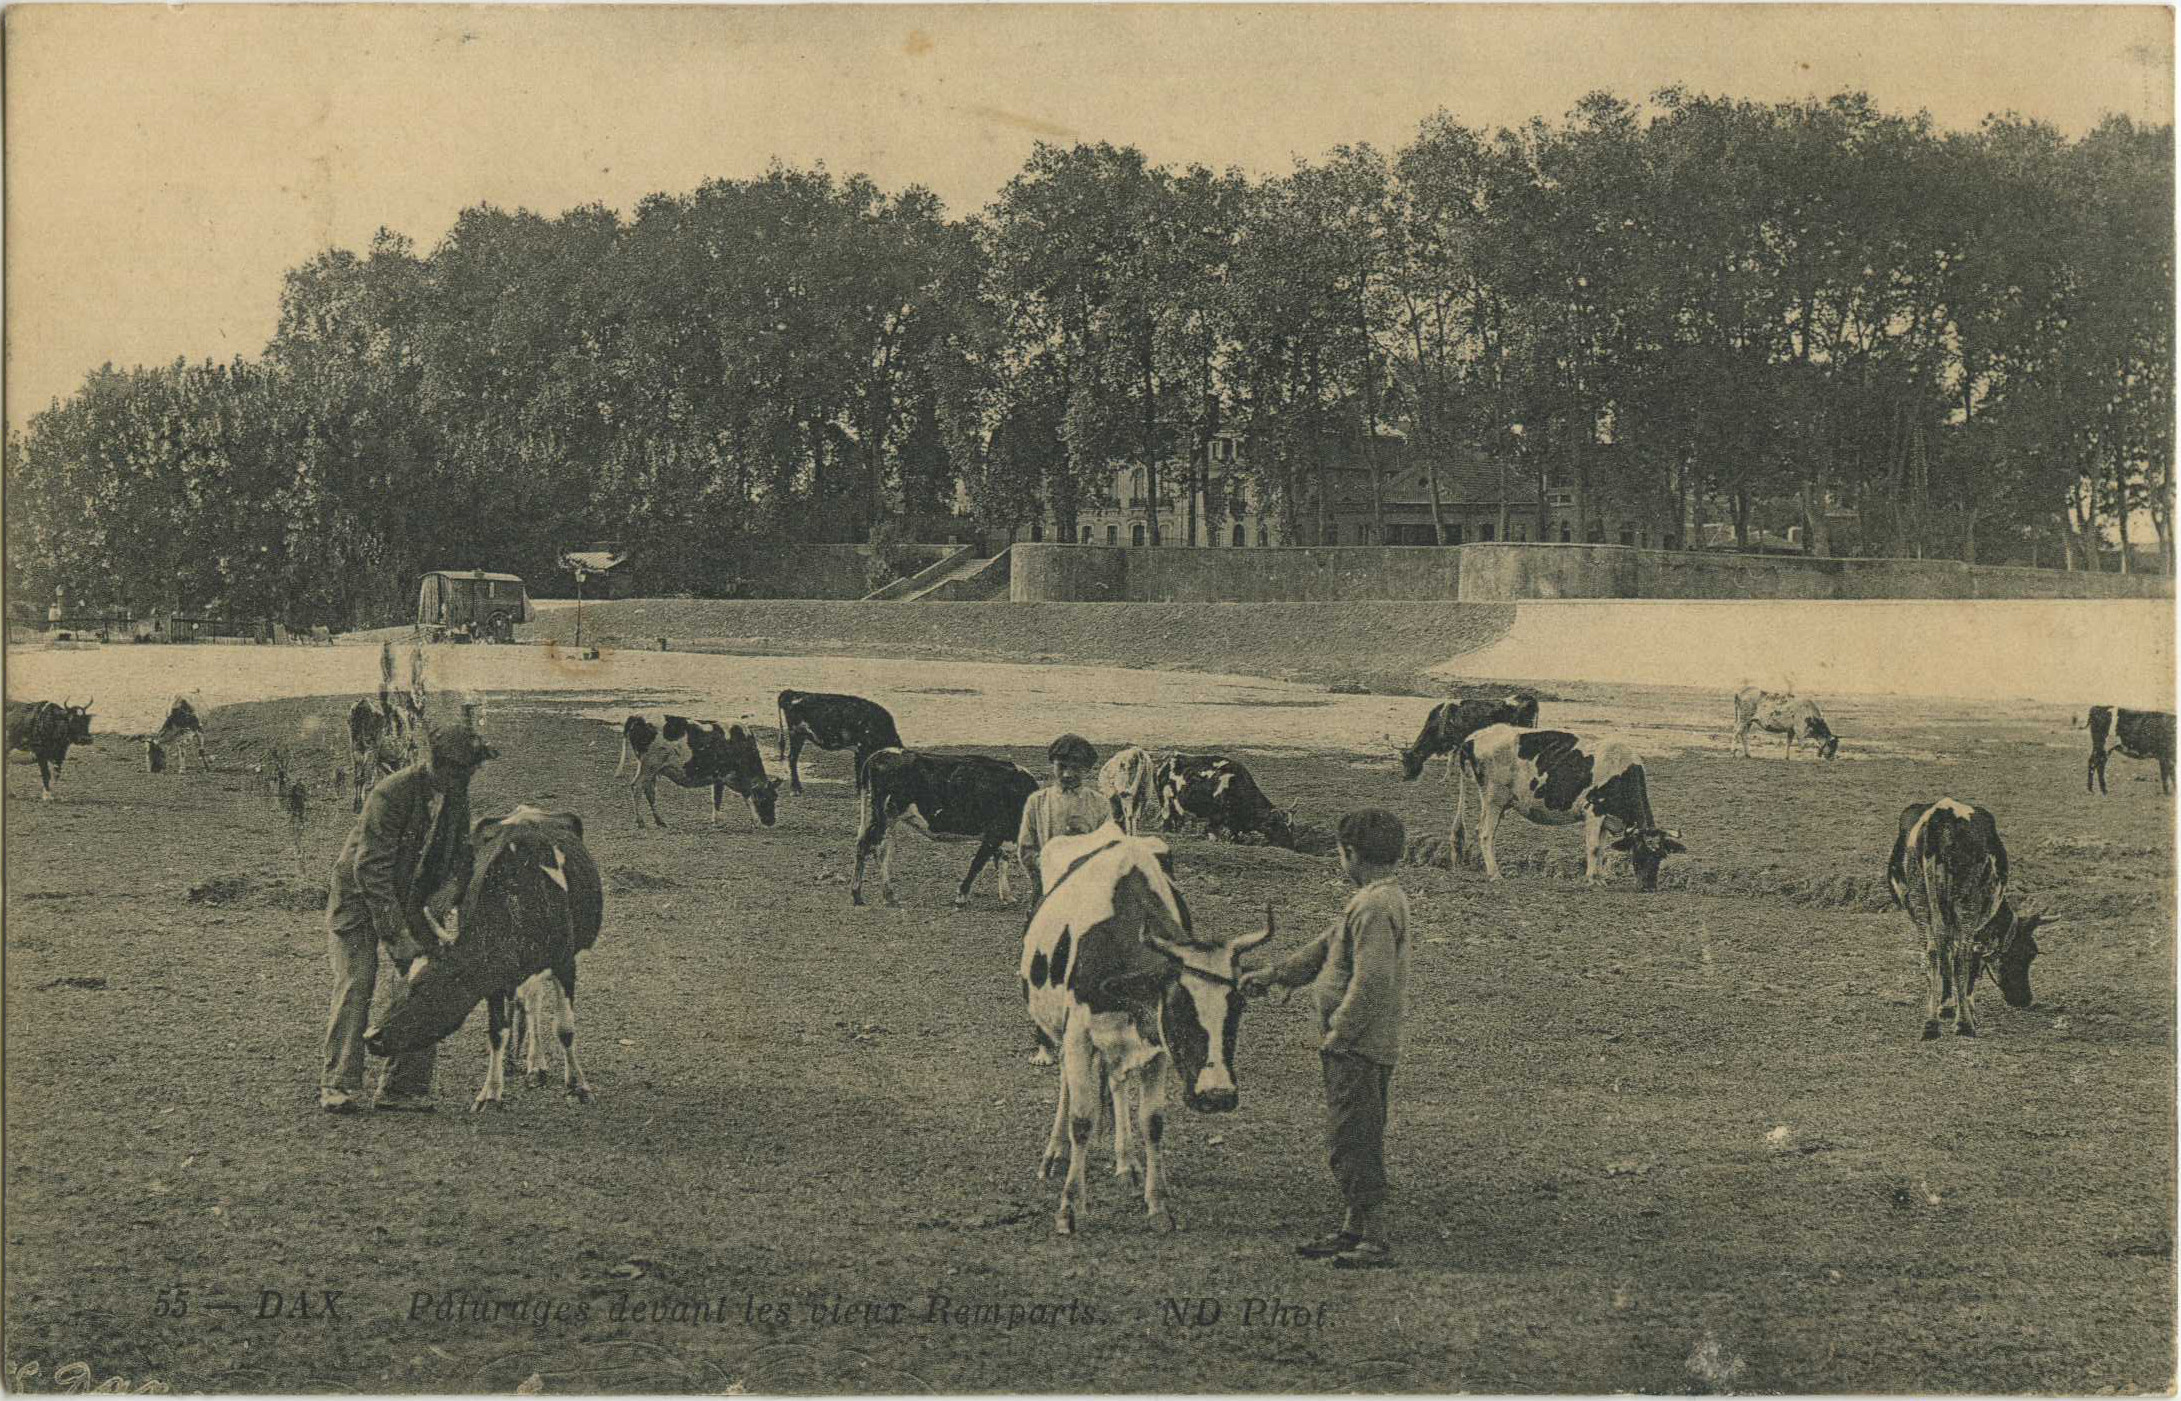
(1967, 336)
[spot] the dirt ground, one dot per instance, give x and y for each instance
(1683, 1142)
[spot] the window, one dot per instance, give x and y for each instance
(1330, 535)
(1628, 537)
(1037, 531)
(1136, 534)
(1484, 532)
(1136, 489)
(1086, 535)
(1565, 534)
(1454, 534)
(1113, 534)
(1522, 532)
(1559, 498)
(1264, 534)
(1222, 449)
(1596, 534)
(1239, 538)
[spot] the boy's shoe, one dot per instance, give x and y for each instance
(404, 1104)
(1328, 1245)
(1365, 1254)
(336, 1102)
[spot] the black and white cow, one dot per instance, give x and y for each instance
(1221, 793)
(696, 755)
(1949, 872)
(833, 722)
(175, 733)
(2136, 734)
(1451, 722)
(1117, 978)
(1129, 782)
(45, 730)
(960, 797)
(533, 902)
(1555, 778)
(1778, 713)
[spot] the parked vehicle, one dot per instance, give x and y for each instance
(472, 605)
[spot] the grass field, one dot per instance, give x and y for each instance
(1669, 1143)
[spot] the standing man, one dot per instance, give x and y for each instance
(411, 841)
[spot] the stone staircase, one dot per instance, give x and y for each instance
(970, 581)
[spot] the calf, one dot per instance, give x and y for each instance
(2137, 734)
(1949, 872)
(1778, 713)
(1554, 778)
(45, 730)
(833, 722)
(532, 901)
(1127, 782)
(179, 729)
(1221, 792)
(697, 755)
(961, 797)
(1115, 976)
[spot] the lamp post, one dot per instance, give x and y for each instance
(580, 572)
(1516, 430)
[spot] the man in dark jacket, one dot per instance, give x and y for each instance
(410, 844)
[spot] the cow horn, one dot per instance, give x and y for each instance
(89, 703)
(1251, 941)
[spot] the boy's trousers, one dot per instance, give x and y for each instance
(1355, 1126)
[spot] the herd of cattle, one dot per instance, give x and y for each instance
(1113, 968)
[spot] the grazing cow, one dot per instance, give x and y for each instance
(180, 727)
(1778, 713)
(962, 797)
(696, 755)
(1127, 781)
(533, 903)
(1554, 778)
(1115, 976)
(2137, 734)
(45, 730)
(1949, 872)
(1220, 792)
(1451, 722)
(833, 722)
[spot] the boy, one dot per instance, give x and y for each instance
(1357, 969)
(372, 902)
(1064, 808)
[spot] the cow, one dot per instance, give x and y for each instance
(697, 755)
(1948, 871)
(1127, 782)
(378, 744)
(2137, 734)
(179, 728)
(45, 730)
(962, 797)
(637, 733)
(1117, 978)
(1220, 792)
(1555, 778)
(1451, 722)
(832, 722)
(533, 902)
(1780, 713)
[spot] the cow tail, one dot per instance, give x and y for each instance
(624, 761)
(783, 707)
(1938, 891)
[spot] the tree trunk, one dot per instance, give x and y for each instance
(1151, 449)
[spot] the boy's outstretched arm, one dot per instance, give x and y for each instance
(1298, 967)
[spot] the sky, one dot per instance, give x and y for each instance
(166, 164)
